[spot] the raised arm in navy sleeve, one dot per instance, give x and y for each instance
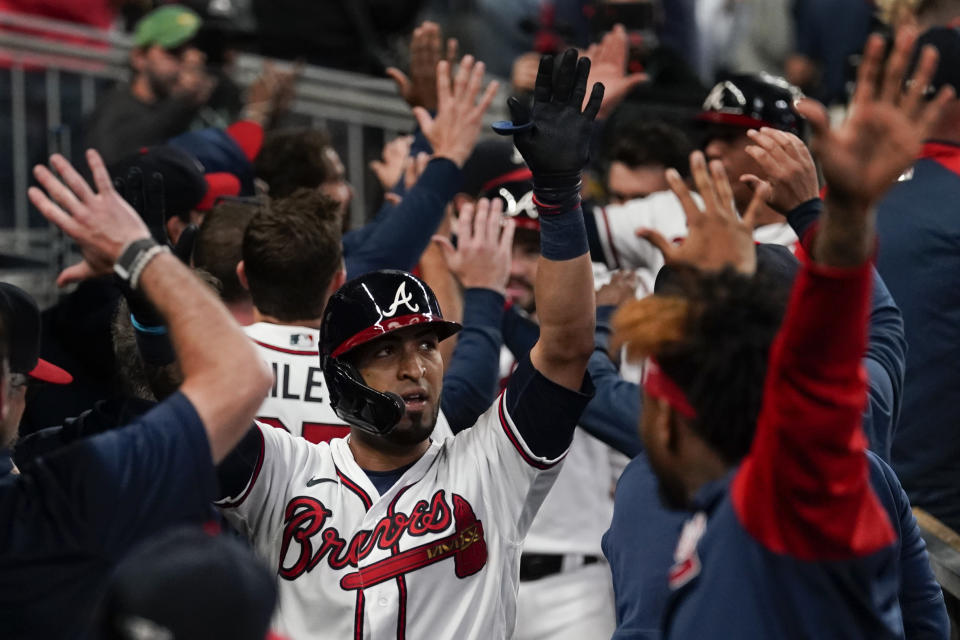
(885, 362)
(612, 415)
(470, 380)
(885, 359)
(397, 240)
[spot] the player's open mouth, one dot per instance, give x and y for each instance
(414, 401)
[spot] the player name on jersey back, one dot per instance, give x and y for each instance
(298, 402)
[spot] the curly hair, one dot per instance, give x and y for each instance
(711, 334)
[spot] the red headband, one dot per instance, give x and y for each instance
(659, 385)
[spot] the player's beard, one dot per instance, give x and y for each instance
(414, 427)
(670, 487)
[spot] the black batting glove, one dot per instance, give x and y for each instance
(554, 135)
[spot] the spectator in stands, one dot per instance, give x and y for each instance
(301, 157)
(638, 156)
(168, 85)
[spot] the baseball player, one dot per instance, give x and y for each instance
(732, 108)
(388, 533)
(794, 541)
(292, 262)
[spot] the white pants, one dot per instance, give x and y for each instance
(570, 605)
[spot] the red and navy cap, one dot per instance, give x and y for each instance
(751, 101)
(496, 169)
(21, 320)
(375, 304)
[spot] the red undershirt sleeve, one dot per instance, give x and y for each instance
(804, 488)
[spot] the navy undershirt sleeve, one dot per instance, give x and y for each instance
(236, 469)
(124, 485)
(397, 239)
(470, 381)
(544, 412)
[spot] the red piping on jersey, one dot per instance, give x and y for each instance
(358, 617)
(382, 328)
(516, 443)
(353, 486)
(613, 248)
(945, 154)
(294, 352)
(401, 581)
(804, 489)
(253, 478)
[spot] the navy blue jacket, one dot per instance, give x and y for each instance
(919, 258)
(74, 513)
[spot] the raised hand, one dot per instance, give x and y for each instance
(609, 67)
(270, 93)
(482, 255)
(621, 288)
(554, 135)
(453, 132)
(420, 88)
(882, 137)
(101, 222)
(392, 162)
(717, 236)
(863, 157)
(787, 167)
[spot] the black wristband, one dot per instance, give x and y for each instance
(135, 258)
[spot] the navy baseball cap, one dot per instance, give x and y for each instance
(751, 101)
(21, 317)
(946, 40)
(189, 583)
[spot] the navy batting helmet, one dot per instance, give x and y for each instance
(753, 101)
(364, 309)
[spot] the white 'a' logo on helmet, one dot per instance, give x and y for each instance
(401, 297)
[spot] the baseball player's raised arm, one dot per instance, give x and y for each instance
(224, 378)
(554, 137)
(804, 488)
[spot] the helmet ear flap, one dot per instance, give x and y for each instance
(356, 403)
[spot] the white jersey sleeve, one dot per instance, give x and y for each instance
(617, 226)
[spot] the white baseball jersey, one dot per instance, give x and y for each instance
(298, 402)
(661, 211)
(436, 556)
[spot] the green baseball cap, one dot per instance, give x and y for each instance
(168, 26)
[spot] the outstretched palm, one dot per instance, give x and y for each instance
(864, 156)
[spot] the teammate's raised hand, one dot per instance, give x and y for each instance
(609, 67)
(787, 167)
(554, 135)
(454, 130)
(717, 236)
(484, 244)
(100, 221)
(887, 125)
(419, 89)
